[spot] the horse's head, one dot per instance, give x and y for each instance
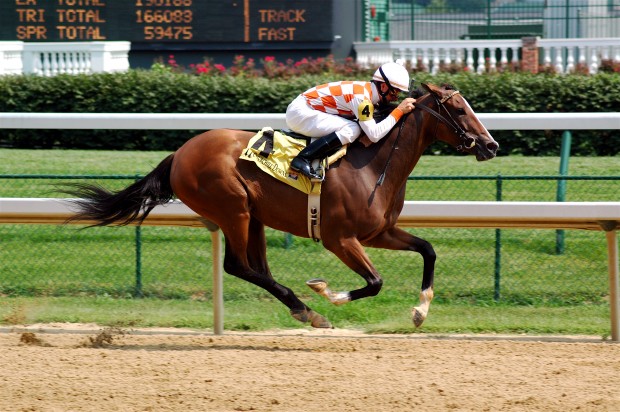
(457, 124)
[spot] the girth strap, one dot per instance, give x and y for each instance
(314, 216)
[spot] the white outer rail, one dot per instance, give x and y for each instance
(205, 121)
(547, 215)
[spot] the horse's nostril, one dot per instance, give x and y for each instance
(492, 146)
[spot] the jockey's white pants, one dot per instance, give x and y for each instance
(303, 119)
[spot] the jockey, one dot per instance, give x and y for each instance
(338, 112)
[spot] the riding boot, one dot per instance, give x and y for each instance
(315, 150)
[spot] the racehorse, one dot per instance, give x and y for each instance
(361, 198)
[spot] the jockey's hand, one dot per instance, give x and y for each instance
(407, 105)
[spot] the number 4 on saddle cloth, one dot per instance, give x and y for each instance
(273, 151)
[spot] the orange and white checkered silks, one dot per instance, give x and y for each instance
(335, 107)
(341, 98)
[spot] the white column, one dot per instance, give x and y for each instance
(435, 67)
(480, 65)
(570, 59)
(503, 56)
(593, 60)
(559, 65)
(218, 283)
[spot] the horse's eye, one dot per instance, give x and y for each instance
(460, 112)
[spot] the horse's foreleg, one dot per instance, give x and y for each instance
(398, 239)
(352, 254)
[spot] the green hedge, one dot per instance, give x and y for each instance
(140, 91)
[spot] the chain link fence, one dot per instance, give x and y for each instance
(385, 20)
(514, 266)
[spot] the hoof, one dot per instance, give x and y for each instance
(300, 315)
(320, 287)
(317, 285)
(319, 321)
(316, 320)
(418, 317)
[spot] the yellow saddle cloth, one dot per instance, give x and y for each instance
(273, 155)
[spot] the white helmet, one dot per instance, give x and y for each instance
(394, 74)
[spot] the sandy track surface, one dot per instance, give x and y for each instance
(171, 370)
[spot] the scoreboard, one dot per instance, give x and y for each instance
(167, 21)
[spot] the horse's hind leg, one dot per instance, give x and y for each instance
(246, 258)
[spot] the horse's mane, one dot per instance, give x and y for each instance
(382, 111)
(419, 92)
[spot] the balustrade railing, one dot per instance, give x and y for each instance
(11, 57)
(49, 59)
(431, 55)
(563, 55)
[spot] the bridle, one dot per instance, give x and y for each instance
(467, 142)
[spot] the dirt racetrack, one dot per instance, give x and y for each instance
(304, 370)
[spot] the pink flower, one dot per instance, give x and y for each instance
(269, 59)
(220, 67)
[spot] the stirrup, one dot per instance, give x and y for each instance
(305, 169)
(312, 175)
(315, 177)
(318, 174)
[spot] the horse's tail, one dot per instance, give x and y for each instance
(135, 202)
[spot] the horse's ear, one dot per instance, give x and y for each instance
(431, 88)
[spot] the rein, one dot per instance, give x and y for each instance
(387, 163)
(468, 142)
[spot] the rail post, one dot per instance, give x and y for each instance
(498, 245)
(561, 191)
(138, 292)
(218, 281)
(138, 232)
(614, 277)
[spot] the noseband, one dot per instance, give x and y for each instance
(467, 142)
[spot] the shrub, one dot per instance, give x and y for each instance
(240, 89)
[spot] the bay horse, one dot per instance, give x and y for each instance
(361, 198)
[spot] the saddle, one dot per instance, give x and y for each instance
(272, 151)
